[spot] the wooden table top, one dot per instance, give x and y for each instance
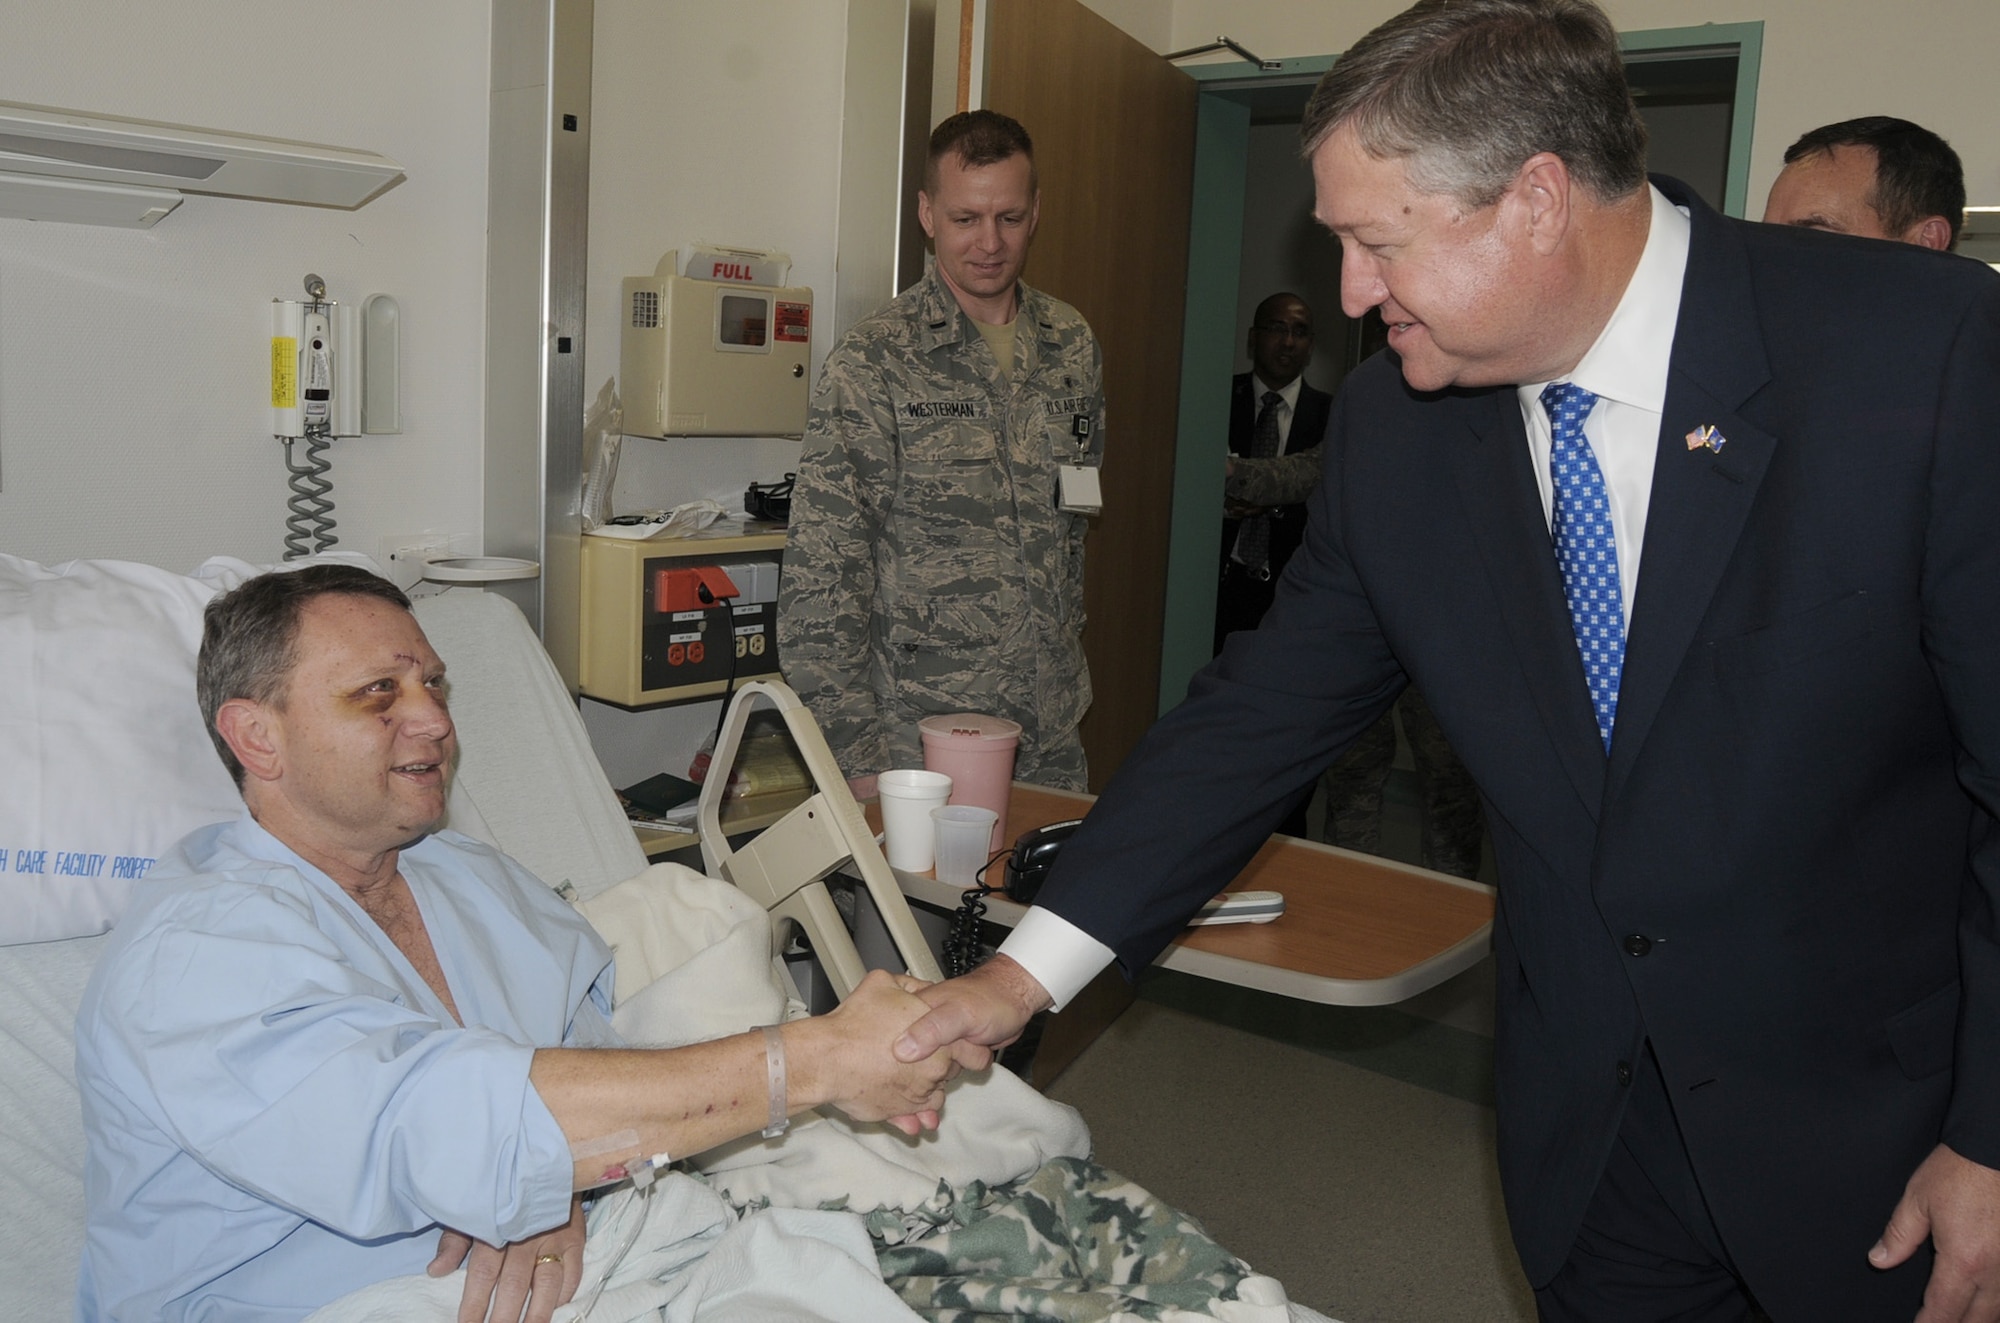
(1356, 931)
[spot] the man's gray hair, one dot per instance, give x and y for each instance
(1465, 91)
(250, 635)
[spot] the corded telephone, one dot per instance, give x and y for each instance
(1027, 864)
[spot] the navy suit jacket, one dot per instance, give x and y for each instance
(1797, 813)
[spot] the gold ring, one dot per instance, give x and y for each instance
(548, 1258)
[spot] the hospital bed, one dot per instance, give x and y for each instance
(101, 738)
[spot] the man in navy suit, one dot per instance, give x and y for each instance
(1272, 411)
(1687, 530)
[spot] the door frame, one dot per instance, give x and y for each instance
(1208, 338)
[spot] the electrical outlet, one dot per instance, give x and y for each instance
(403, 555)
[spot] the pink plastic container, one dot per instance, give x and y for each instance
(977, 753)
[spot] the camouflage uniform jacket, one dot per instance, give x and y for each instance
(929, 569)
(1279, 480)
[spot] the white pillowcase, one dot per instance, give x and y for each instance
(104, 762)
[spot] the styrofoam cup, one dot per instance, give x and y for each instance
(907, 796)
(964, 832)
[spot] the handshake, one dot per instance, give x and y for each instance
(934, 1030)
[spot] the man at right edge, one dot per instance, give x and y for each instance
(1748, 1028)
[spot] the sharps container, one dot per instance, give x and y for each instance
(977, 753)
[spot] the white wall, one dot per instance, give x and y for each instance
(134, 364)
(1926, 60)
(718, 123)
(1151, 22)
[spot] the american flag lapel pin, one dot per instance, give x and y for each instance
(1706, 437)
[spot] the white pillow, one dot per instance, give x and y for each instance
(104, 762)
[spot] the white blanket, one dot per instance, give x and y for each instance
(688, 1261)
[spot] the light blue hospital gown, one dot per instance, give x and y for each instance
(278, 1109)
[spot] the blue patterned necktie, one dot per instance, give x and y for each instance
(1585, 550)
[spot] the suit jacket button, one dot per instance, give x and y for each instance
(1625, 1072)
(1638, 944)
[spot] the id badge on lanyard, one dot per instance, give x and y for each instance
(1078, 489)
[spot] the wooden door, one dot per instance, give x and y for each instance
(1113, 125)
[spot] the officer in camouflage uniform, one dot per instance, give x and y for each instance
(931, 566)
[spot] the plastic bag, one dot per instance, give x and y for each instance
(603, 438)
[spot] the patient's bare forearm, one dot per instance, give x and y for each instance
(618, 1105)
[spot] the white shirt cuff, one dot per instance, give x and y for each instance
(1060, 956)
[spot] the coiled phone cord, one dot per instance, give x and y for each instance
(961, 945)
(311, 519)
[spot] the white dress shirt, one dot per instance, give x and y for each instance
(1627, 370)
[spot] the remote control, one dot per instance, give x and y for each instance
(1241, 907)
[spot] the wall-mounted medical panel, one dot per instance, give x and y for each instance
(655, 627)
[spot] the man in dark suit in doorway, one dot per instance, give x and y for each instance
(1685, 527)
(1272, 411)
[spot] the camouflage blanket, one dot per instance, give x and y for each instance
(1072, 1243)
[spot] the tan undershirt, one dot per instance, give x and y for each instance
(1000, 339)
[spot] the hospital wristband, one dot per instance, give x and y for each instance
(774, 1068)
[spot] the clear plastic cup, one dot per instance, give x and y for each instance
(964, 833)
(907, 796)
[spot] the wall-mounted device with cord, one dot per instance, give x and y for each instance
(334, 372)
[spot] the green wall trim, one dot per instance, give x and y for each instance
(1748, 39)
(1208, 353)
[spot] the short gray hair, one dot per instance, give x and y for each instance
(250, 635)
(1465, 91)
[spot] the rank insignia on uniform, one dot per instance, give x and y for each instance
(1706, 437)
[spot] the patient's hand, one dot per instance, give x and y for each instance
(850, 1063)
(538, 1273)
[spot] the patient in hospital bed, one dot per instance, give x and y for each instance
(295, 1087)
(303, 1051)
